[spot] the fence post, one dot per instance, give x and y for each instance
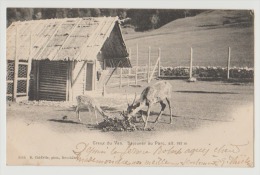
(228, 62)
(191, 54)
(120, 83)
(130, 57)
(146, 69)
(149, 62)
(159, 63)
(136, 75)
(137, 56)
(128, 77)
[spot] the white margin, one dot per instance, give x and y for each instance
(177, 4)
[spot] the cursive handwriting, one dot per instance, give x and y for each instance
(163, 155)
(83, 148)
(130, 150)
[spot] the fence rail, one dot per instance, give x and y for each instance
(131, 76)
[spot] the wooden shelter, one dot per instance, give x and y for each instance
(58, 59)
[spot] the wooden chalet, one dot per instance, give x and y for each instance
(58, 59)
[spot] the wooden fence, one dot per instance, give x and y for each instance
(131, 76)
(190, 67)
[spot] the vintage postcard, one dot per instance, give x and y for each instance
(130, 87)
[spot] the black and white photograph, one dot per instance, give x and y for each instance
(130, 87)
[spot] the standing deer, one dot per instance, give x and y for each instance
(155, 93)
(87, 102)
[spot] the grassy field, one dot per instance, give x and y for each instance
(209, 34)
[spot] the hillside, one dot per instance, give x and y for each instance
(209, 34)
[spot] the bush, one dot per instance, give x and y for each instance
(208, 72)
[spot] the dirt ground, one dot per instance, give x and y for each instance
(205, 114)
(195, 105)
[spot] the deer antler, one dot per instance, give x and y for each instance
(134, 100)
(127, 99)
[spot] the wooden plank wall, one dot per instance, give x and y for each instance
(78, 79)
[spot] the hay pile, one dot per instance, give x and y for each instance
(119, 125)
(115, 124)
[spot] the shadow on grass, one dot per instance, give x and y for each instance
(71, 109)
(105, 108)
(64, 121)
(108, 108)
(206, 92)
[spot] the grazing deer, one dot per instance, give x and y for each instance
(87, 102)
(155, 93)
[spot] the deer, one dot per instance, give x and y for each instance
(87, 102)
(156, 93)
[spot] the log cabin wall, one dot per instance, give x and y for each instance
(49, 80)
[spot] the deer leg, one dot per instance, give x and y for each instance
(163, 105)
(170, 108)
(142, 116)
(77, 113)
(96, 115)
(147, 117)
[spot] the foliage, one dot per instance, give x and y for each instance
(208, 72)
(115, 124)
(141, 19)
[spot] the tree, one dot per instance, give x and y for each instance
(84, 12)
(122, 13)
(141, 19)
(95, 12)
(19, 14)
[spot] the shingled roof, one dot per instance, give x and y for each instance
(72, 39)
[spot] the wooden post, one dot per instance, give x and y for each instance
(130, 54)
(37, 79)
(191, 54)
(120, 83)
(83, 68)
(136, 75)
(159, 64)
(34, 65)
(147, 75)
(29, 68)
(69, 81)
(130, 57)
(104, 90)
(67, 87)
(228, 62)
(95, 75)
(128, 76)
(16, 66)
(137, 56)
(104, 64)
(149, 64)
